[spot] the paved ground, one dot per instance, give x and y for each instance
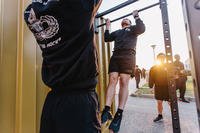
(139, 113)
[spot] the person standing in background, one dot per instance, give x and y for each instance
(159, 82)
(138, 75)
(144, 73)
(182, 78)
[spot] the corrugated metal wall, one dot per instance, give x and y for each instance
(191, 17)
(22, 92)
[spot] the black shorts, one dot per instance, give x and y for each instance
(122, 64)
(162, 94)
(70, 113)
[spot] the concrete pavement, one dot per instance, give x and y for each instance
(140, 112)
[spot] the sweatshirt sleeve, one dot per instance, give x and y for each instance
(139, 28)
(109, 37)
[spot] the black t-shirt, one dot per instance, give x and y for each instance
(158, 80)
(64, 33)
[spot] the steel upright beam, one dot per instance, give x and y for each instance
(170, 68)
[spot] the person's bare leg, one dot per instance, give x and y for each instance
(160, 107)
(160, 110)
(123, 92)
(123, 95)
(113, 79)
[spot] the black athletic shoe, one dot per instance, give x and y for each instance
(105, 116)
(158, 118)
(184, 100)
(116, 122)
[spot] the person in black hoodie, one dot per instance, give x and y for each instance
(138, 76)
(64, 31)
(158, 80)
(121, 65)
(182, 78)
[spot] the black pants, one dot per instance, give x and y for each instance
(70, 113)
(181, 85)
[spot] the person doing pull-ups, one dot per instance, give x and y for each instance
(121, 65)
(69, 63)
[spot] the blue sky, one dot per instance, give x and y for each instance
(154, 33)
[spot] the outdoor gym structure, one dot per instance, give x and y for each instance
(193, 30)
(22, 96)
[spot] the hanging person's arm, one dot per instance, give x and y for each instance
(97, 4)
(139, 28)
(109, 37)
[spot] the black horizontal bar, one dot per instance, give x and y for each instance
(115, 8)
(145, 8)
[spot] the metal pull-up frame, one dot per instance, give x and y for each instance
(116, 8)
(145, 8)
(168, 50)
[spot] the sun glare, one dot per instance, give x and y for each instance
(158, 62)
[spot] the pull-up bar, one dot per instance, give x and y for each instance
(145, 8)
(116, 8)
